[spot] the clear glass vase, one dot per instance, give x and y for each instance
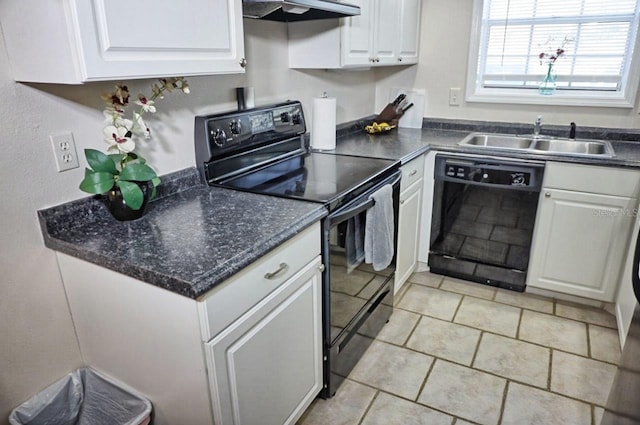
(548, 84)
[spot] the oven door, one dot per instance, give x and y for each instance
(357, 300)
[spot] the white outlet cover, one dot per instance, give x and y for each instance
(64, 151)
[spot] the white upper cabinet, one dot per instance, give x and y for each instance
(357, 42)
(410, 34)
(75, 41)
(387, 29)
(387, 32)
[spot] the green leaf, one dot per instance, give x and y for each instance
(156, 183)
(100, 162)
(96, 182)
(137, 172)
(132, 194)
(117, 158)
(141, 160)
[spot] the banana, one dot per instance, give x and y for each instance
(377, 127)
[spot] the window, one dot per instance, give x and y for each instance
(599, 66)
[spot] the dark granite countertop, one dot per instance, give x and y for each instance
(404, 144)
(194, 236)
(190, 239)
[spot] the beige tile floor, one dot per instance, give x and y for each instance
(462, 353)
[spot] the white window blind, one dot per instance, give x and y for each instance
(601, 35)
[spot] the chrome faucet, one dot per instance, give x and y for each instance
(537, 126)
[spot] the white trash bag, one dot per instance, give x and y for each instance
(83, 397)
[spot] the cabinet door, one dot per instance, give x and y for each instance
(148, 38)
(579, 243)
(386, 32)
(625, 298)
(408, 233)
(409, 44)
(266, 368)
(73, 41)
(357, 38)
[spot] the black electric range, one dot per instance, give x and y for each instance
(263, 150)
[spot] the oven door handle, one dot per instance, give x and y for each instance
(363, 206)
(351, 211)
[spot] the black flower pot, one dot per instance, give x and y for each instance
(119, 208)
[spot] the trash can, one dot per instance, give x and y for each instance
(83, 397)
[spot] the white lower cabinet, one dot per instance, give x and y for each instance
(626, 299)
(266, 367)
(247, 352)
(580, 237)
(409, 217)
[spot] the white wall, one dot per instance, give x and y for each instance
(444, 49)
(38, 342)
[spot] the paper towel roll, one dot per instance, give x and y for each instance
(323, 124)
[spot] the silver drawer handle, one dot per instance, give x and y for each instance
(413, 173)
(547, 195)
(283, 267)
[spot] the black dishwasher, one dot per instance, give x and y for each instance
(484, 212)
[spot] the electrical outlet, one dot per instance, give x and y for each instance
(454, 96)
(64, 150)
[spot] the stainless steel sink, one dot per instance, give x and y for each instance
(576, 147)
(497, 141)
(540, 144)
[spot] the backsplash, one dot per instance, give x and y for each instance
(601, 133)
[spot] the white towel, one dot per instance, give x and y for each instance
(379, 228)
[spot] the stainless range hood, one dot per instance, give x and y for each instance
(297, 10)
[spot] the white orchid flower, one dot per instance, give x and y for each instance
(146, 104)
(110, 116)
(142, 125)
(120, 132)
(118, 138)
(115, 118)
(123, 122)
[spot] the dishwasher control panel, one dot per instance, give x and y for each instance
(490, 172)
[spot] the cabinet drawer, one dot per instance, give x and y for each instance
(412, 172)
(226, 302)
(592, 179)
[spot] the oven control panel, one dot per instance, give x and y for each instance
(239, 129)
(273, 129)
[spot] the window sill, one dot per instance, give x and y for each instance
(531, 97)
